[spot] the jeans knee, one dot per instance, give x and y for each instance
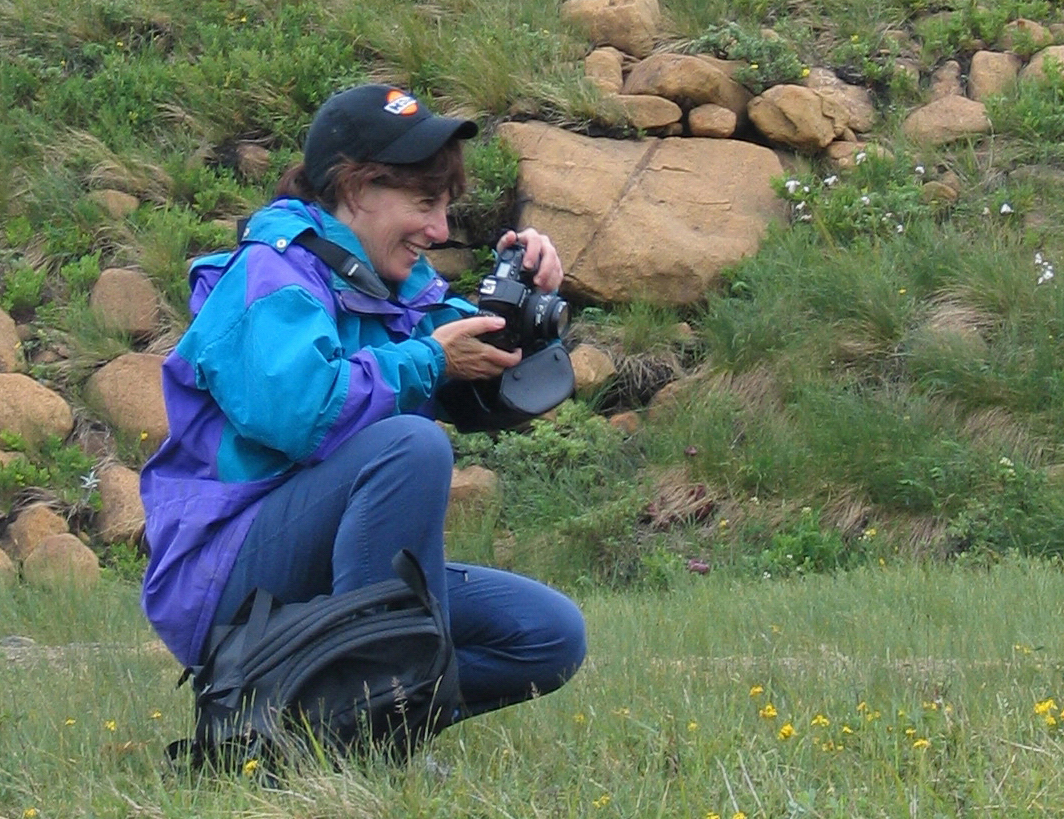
(572, 642)
(426, 444)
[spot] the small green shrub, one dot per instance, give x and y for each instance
(1022, 513)
(23, 288)
(18, 231)
(65, 470)
(769, 60)
(806, 548)
(492, 169)
(865, 58)
(82, 273)
(1034, 110)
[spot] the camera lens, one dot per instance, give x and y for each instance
(546, 317)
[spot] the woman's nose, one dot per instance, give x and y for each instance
(437, 228)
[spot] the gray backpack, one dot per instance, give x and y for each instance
(370, 668)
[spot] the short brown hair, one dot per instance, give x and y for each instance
(443, 172)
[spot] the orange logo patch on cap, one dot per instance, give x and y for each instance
(400, 103)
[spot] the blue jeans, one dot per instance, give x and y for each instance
(335, 527)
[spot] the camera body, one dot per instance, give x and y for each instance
(533, 319)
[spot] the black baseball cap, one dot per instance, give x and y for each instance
(376, 123)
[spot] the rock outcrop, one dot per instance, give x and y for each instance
(653, 220)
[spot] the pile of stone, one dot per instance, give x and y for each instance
(670, 94)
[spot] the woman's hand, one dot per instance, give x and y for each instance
(469, 358)
(540, 255)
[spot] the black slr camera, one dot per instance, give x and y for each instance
(533, 319)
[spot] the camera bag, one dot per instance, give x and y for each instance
(370, 668)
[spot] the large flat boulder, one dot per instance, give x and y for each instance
(653, 220)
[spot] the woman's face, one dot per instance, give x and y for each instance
(395, 226)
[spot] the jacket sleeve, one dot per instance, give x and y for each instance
(280, 376)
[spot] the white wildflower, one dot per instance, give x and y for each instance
(860, 157)
(831, 180)
(899, 228)
(986, 211)
(1006, 208)
(865, 200)
(792, 185)
(800, 206)
(1047, 275)
(920, 170)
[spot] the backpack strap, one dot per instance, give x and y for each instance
(409, 570)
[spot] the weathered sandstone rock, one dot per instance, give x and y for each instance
(946, 120)
(128, 392)
(630, 25)
(32, 410)
(61, 560)
(656, 219)
(991, 73)
(31, 527)
(125, 300)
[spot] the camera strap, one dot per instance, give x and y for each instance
(346, 265)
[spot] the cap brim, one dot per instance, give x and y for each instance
(424, 139)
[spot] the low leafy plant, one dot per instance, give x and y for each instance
(879, 198)
(806, 548)
(492, 168)
(23, 288)
(1034, 110)
(768, 60)
(865, 59)
(81, 274)
(64, 470)
(1024, 514)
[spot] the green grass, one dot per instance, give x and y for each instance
(665, 719)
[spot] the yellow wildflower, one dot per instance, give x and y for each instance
(786, 732)
(29, 813)
(692, 726)
(821, 721)
(910, 732)
(1050, 720)
(805, 71)
(862, 706)
(846, 729)
(69, 721)
(602, 801)
(144, 435)
(738, 815)
(579, 719)
(756, 690)
(156, 714)
(1045, 706)
(250, 767)
(768, 712)
(110, 725)
(922, 743)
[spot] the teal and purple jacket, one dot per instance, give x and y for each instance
(283, 362)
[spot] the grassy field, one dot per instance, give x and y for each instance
(865, 457)
(887, 691)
